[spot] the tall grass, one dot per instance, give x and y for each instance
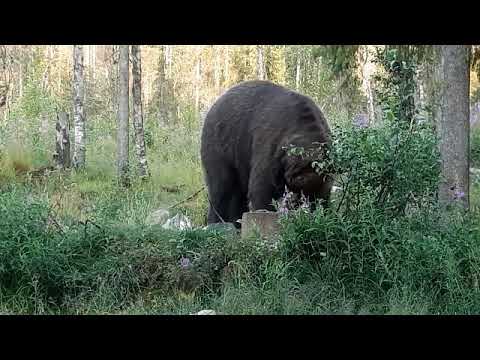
(324, 264)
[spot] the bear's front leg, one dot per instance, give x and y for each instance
(261, 192)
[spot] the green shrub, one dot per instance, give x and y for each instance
(389, 166)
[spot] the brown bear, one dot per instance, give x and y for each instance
(243, 149)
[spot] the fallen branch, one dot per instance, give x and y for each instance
(187, 199)
(191, 197)
(172, 189)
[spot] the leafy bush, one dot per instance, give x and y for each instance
(387, 167)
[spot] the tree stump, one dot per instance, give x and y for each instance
(261, 222)
(62, 147)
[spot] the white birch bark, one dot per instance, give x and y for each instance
(138, 110)
(260, 63)
(78, 107)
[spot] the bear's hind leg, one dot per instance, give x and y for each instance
(224, 197)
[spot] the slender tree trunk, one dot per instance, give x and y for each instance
(168, 59)
(216, 71)
(122, 128)
(419, 91)
(162, 88)
(368, 69)
(226, 65)
(78, 107)
(169, 103)
(94, 62)
(138, 110)
(260, 63)
(20, 83)
(297, 73)
(46, 73)
(114, 78)
(453, 122)
(198, 80)
(59, 81)
(4, 79)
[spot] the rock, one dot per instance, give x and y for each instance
(157, 217)
(205, 312)
(179, 221)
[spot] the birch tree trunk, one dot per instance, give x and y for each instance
(20, 82)
(78, 107)
(122, 124)
(46, 73)
(260, 63)
(452, 118)
(297, 73)
(168, 59)
(138, 110)
(4, 83)
(94, 62)
(368, 70)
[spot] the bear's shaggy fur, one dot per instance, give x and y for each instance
(242, 149)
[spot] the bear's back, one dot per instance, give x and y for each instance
(259, 117)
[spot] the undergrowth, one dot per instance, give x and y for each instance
(326, 263)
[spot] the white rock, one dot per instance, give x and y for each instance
(157, 217)
(179, 221)
(206, 312)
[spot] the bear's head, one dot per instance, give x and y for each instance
(300, 176)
